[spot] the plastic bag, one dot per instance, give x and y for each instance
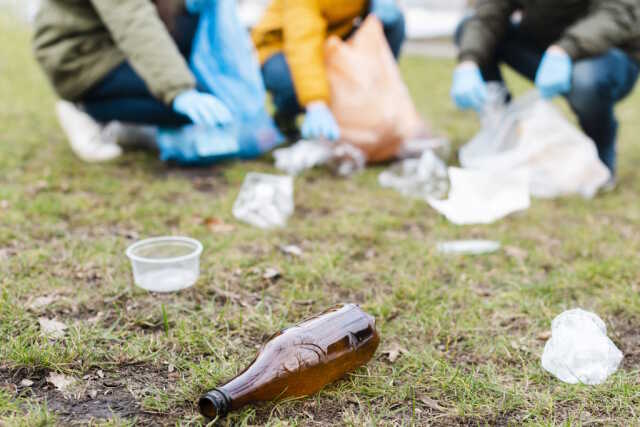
(369, 99)
(421, 178)
(265, 201)
(302, 155)
(579, 350)
(531, 135)
(479, 197)
(224, 63)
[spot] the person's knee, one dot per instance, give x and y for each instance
(591, 91)
(457, 35)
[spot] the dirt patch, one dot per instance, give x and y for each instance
(625, 332)
(97, 395)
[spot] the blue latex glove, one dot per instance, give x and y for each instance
(319, 123)
(203, 109)
(554, 73)
(469, 88)
(386, 10)
(197, 6)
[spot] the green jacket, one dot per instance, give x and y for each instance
(584, 28)
(78, 42)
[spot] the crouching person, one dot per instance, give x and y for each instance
(290, 40)
(587, 51)
(124, 61)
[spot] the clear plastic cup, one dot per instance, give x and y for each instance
(165, 264)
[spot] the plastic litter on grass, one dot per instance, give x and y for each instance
(579, 350)
(421, 178)
(468, 247)
(265, 201)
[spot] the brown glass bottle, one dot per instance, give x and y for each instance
(300, 360)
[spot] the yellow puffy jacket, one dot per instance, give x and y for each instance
(299, 28)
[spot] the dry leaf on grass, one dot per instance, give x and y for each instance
(41, 302)
(216, 225)
(26, 383)
(394, 352)
(517, 253)
(432, 404)
(52, 328)
(544, 336)
(292, 250)
(60, 381)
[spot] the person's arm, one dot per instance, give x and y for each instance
(139, 33)
(484, 30)
(305, 32)
(608, 24)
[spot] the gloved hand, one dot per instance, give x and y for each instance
(203, 109)
(469, 88)
(554, 73)
(386, 10)
(197, 6)
(319, 123)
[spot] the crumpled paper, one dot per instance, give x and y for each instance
(478, 197)
(265, 201)
(579, 350)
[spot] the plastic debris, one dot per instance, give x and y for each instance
(421, 178)
(265, 201)
(468, 247)
(478, 197)
(579, 350)
(302, 155)
(415, 147)
(532, 136)
(347, 160)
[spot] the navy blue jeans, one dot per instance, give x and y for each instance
(278, 80)
(123, 96)
(598, 84)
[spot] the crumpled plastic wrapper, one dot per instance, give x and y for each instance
(422, 178)
(302, 155)
(478, 197)
(579, 350)
(347, 160)
(265, 201)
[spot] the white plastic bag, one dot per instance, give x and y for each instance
(302, 155)
(531, 135)
(479, 197)
(420, 178)
(265, 201)
(579, 350)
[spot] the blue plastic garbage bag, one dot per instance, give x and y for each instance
(225, 64)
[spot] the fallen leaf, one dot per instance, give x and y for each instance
(60, 381)
(394, 352)
(100, 373)
(26, 383)
(432, 404)
(41, 302)
(216, 225)
(271, 274)
(292, 250)
(52, 328)
(171, 368)
(544, 336)
(93, 394)
(517, 253)
(304, 302)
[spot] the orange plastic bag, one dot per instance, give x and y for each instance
(369, 99)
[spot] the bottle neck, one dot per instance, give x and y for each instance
(216, 403)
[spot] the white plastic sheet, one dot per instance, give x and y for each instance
(532, 136)
(302, 155)
(579, 350)
(421, 178)
(468, 247)
(265, 201)
(479, 197)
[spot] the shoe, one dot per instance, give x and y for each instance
(609, 186)
(89, 140)
(131, 136)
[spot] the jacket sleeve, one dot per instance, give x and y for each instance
(305, 32)
(609, 23)
(139, 33)
(484, 30)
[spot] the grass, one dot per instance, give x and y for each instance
(471, 327)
